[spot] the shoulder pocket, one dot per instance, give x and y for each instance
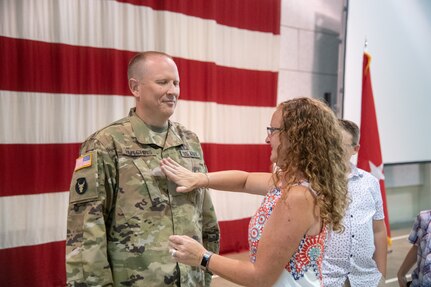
(84, 185)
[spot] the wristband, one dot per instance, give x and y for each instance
(206, 260)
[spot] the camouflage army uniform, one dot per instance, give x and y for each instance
(122, 209)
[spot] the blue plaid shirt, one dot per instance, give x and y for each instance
(420, 236)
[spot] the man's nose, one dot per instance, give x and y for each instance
(173, 89)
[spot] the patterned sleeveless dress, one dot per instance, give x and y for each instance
(305, 266)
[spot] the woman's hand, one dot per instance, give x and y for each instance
(184, 178)
(186, 250)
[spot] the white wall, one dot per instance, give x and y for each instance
(309, 44)
(398, 33)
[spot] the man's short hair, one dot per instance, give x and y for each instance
(351, 128)
(134, 61)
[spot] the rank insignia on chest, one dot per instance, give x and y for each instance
(189, 153)
(81, 185)
(83, 161)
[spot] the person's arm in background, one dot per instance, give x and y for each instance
(381, 245)
(407, 264)
(230, 180)
(415, 238)
(86, 242)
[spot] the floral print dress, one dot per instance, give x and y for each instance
(305, 266)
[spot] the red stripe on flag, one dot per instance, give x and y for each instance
(44, 168)
(60, 68)
(36, 168)
(257, 15)
(37, 266)
(230, 86)
(241, 157)
(234, 235)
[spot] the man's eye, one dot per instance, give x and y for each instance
(162, 82)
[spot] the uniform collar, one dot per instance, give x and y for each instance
(145, 135)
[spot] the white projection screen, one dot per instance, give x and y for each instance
(398, 34)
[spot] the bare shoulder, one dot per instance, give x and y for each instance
(297, 200)
(299, 193)
(297, 206)
(300, 203)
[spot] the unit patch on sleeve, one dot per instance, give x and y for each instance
(81, 185)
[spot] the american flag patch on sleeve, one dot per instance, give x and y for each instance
(83, 161)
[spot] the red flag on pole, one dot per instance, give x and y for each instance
(370, 155)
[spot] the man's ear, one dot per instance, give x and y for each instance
(134, 87)
(356, 148)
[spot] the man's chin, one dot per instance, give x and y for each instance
(169, 111)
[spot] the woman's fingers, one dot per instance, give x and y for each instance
(169, 168)
(175, 240)
(187, 250)
(172, 162)
(184, 178)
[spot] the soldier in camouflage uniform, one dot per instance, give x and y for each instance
(122, 209)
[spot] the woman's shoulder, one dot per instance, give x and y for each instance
(298, 200)
(300, 191)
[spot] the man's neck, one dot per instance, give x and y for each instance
(153, 122)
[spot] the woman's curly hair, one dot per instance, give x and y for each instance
(311, 148)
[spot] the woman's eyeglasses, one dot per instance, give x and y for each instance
(270, 130)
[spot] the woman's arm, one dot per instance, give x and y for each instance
(230, 180)
(289, 222)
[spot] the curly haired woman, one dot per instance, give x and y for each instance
(304, 196)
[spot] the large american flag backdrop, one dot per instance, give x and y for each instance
(63, 76)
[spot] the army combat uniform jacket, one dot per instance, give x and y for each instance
(122, 209)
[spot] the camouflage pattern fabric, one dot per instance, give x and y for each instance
(122, 209)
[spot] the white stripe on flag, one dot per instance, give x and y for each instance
(111, 24)
(64, 118)
(231, 205)
(33, 219)
(45, 216)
